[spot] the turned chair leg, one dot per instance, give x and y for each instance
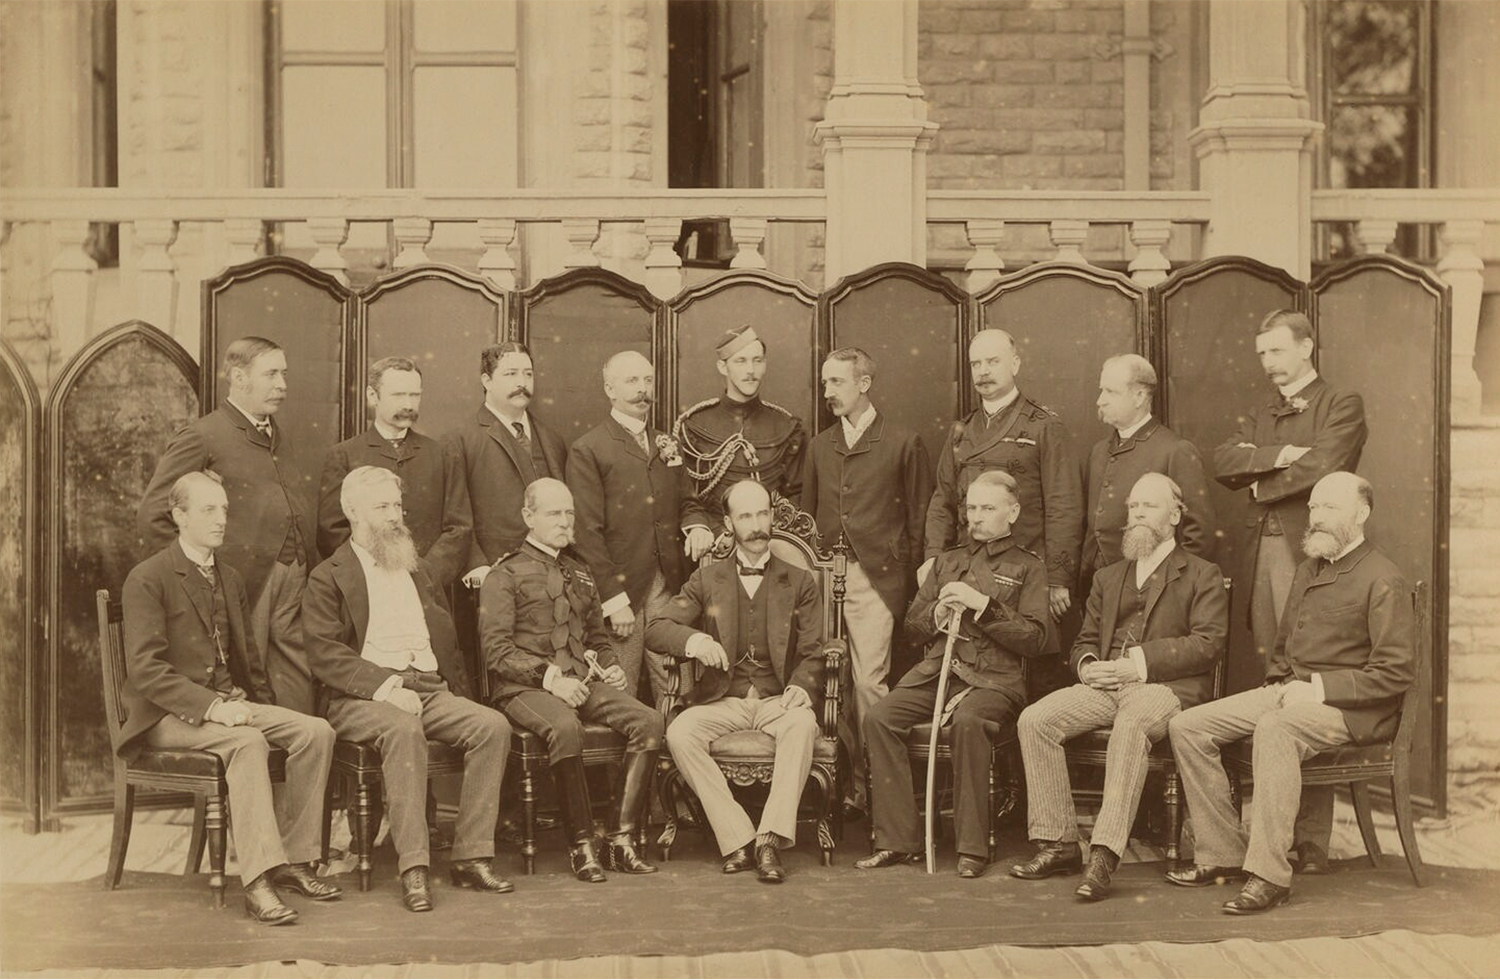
(993, 810)
(1360, 791)
(213, 819)
(528, 817)
(119, 840)
(1172, 800)
(195, 843)
(364, 832)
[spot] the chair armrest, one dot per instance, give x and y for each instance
(680, 677)
(835, 654)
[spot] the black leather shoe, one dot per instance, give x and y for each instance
(886, 859)
(1258, 896)
(739, 859)
(263, 904)
(414, 893)
(970, 866)
(768, 865)
(620, 855)
(1198, 875)
(1053, 857)
(585, 863)
(478, 874)
(1102, 864)
(853, 813)
(300, 879)
(1311, 860)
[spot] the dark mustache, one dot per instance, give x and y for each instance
(642, 400)
(521, 390)
(757, 536)
(406, 414)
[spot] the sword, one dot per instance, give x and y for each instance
(932, 740)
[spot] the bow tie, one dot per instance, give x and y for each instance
(745, 570)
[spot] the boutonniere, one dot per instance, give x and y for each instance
(1298, 404)
(667, 448)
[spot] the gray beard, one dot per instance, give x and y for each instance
(1140, 540)
(393, 548)
(1326, 542)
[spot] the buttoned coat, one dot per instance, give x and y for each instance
(498, 470)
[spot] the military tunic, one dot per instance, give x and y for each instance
(724, 441)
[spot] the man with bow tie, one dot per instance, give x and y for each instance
(638, 519)
(1304, 431)
(553, 666)
(755, 624)
(193, 681)
(1343, 660)
(433, 489)
(271, 541)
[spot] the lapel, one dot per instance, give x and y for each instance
(866, 442)
(626, 440)
(1140, 436)
(725, 594)
(505, 439)
(252, 434)
(778, 612)
(1171, 570)
(1309, 394)
(350, 576)
(554, 462)
(378, 442)
(988, 437)
(1114, 577)
(1334, 569)
(194, 584)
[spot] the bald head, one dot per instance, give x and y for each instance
(993, 364)
(1155, 509)
(745, 494)
(630, 383)
(1337, 510)
(747, 512)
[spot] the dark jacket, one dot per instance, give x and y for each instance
(876, 496)
(1353, 624)
(336, 613)
(1187, 623)
(434, 496)
(771, 432)
(710, 603)
(267, 495)
(631, 512)
(169, 645)
(498, 471)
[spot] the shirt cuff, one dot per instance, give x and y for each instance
(210, 709)
(384, 690)
(1255, 490)
(552, 673)
(1083, 662)
(614, 604)
(695, 643)
(1317, 683)
(688, 527)
(1138, 657)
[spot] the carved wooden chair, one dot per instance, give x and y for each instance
(194, 771)
(748, 758)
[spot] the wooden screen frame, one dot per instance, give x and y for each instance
(29, 802)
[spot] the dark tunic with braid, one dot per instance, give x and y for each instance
(723, 441)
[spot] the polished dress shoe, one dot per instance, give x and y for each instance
(1257, 896)
(1053, 857)
(739, 859)
(620, 855)
(263, 904)
(768, 865)
(478, 874)
(1311, 860)
(414, 893)
(1102, 864)
(886, 859)
(1198, 875)
(585, 863)
(300, 879)
(970, 866)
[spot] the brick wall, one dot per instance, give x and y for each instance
(1474, 608)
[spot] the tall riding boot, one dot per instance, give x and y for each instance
(631, 799)
(578, 818)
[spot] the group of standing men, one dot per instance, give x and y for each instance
(586, 562)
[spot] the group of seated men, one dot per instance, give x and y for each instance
(383, 665)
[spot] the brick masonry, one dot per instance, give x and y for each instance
(1474, 608)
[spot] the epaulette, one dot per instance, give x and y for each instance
(505, 558)
(778, 408)
(1043, 409)
(1020, 547)
(690, 410)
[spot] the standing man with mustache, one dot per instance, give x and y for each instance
(272, 541)
(739, 436)
(503, 452)
(1154, 628)
(1305, 431)
(1343, 659)
(434, 491)
(867, 480)
(637, 517)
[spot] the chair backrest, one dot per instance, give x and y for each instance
(1406, 728)
(112, 659)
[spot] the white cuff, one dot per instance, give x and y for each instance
(694, 645)
(688, 527)
(1255, 490)
(1317, 683)
(207, 712)
(1138, 657)
(614, 604)
(1083, 662)
(550, 676)
(384, 690)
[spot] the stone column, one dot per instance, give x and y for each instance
(875, 135)
(1253, 137)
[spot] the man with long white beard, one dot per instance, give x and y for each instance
(1153, 629)
(1343, 658)
(384, 648)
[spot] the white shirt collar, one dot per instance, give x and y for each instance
(634, 426)
(739, 556)
(552, 552)
(525, 421)
(991, 407)
(196, 555)
(241, 409)
(1132, 430)
(1352, 545)
(389, 434)
(1148, 565)
(858, 427)
(365, 556)
(1287, 391)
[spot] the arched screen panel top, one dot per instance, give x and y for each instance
(311, 315)
(441, 318)
(782, 311)
(915, 324)
(108, 418)
(1383, 331)
(1065, 320)
(572, 324)
(1206, 318)
(20, 595)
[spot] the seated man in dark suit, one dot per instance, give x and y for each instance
(194, 681)
(770, 614)
(1343, 659)
(381, 643)
(1153, 629)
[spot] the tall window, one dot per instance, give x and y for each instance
(104, 239)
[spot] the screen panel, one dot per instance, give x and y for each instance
(20, 457)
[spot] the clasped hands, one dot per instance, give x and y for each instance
(1109, 675)
(711, 653)
(957, 596)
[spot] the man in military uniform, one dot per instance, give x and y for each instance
(739, 436)
(999, 588)
(553, 666)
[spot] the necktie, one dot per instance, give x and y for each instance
(747, 570)
(396, 445)
(521, 436)
(208, 573)
(264, 428)
(642, 440)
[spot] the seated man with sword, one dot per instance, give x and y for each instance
(971, 675)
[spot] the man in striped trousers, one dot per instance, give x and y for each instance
(1154, 627)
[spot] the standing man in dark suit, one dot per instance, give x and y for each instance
(637, 515)
(382, 643)
(272, 540)
(193, 682)
(502, 453)
(770, 614)
(1154, 628)
(1283, 447)
(1000, 588)
(1342, 663)
(434, 491)
(867, 480)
